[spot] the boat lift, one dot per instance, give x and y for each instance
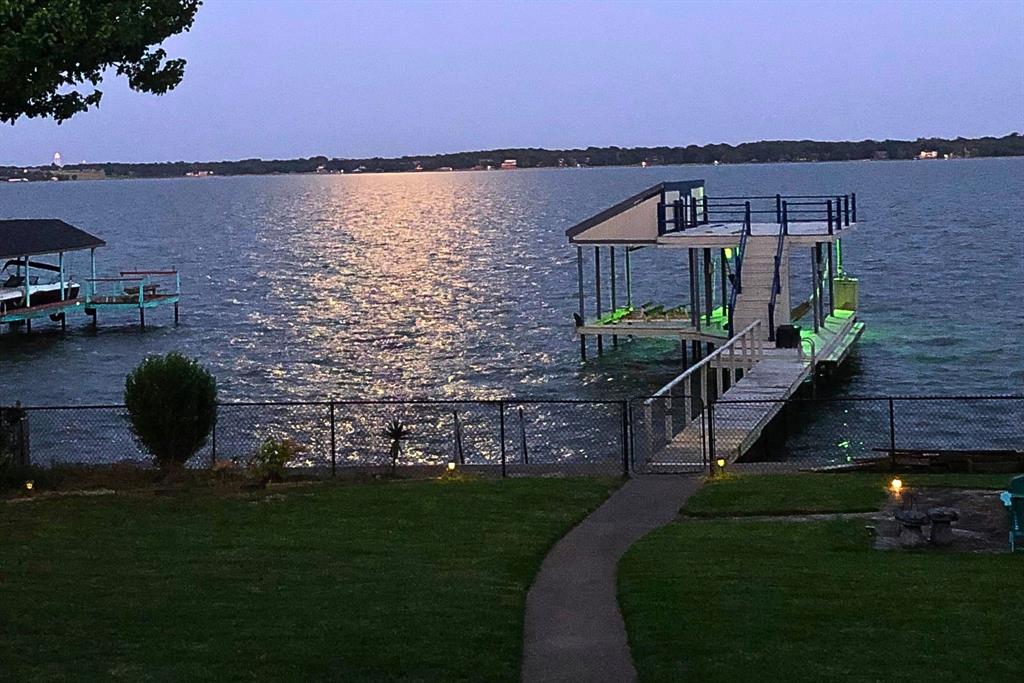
(22, 239)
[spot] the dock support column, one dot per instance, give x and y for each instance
(597, 296)
(142, 317)
(709, 270)
(579, 283)
(28, 298)
(819, 259)
(724, 277)
(615, 299)
(629, 281)
(831, 281)
(175, 312)
(60, 268)
(815, 288)
(25, 285)
(694, 291)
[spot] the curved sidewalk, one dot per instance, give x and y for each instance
(574, 630)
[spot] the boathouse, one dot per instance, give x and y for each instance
(752, 339)
(32, 288)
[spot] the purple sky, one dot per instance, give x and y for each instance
(294, 78)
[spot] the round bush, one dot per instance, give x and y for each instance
(172, 406)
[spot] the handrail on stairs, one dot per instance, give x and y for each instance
(776, 278)
(749, 343)
(737, 283)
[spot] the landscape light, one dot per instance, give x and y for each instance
(896, 485)
(721, 463)
(29, 484)
(451, 467)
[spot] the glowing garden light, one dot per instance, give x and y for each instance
(896, 485)
(29, 485)
(451, 467)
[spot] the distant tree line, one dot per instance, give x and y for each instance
(767, 151)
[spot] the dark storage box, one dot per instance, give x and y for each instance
(787, 337)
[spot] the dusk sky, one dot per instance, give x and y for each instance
(350, 79)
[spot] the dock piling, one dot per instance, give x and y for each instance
(579, 283)
(615, 300)
(597, 295)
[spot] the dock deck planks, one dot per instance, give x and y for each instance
(746, 408)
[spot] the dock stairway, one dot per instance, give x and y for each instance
(758, 273)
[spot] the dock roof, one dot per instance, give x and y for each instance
(34, 236)
(633, 220)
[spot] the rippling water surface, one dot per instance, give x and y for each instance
(461, 285)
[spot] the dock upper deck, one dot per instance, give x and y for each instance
(718, 235)
(681, 214)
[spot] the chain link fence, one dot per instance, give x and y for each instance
(681, 434)
(666, 434)
(506, 437)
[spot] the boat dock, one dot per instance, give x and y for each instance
(748, 341)
(27, 296)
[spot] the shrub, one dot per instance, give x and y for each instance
(172, 406)
(10, 417)
(269, 462)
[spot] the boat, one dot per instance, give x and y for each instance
(42, 289)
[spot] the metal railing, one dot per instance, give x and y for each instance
(737, 284)
(776, 277)
(838, 211)
(702, 384)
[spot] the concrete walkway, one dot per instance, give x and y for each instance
(574, 630)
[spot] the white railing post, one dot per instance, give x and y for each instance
(668, 418)
(648, 429)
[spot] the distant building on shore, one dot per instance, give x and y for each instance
(928, 154)
(509, 165)
(82, 174)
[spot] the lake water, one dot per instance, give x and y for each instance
(461, 285)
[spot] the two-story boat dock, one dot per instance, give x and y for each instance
(735, 309)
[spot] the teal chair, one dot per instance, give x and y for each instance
(1013, 499)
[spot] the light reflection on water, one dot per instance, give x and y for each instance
(460, 285)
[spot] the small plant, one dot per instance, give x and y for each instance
(397, 432)
(269, 462)
(172, 407)
(10, 418)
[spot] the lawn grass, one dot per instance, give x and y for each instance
(735, 600)
(416, 581)
(808, 493)
(732, 599)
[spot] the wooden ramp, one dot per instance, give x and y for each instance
(734, 423)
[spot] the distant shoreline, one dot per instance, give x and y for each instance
(764, 152)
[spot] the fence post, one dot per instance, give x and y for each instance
(213, 438)
(522, 436)
(625, 437)
(501, 429)
(710, 411)
(892, 434)
(23, 452)
(334, 450)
